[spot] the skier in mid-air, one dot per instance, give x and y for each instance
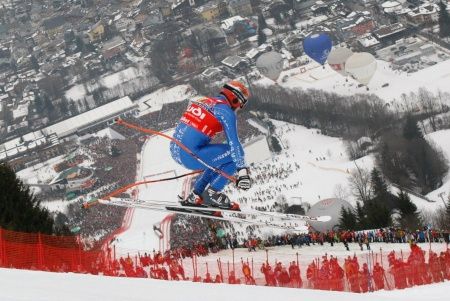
(204, 118)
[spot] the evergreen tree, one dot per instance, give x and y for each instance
(379, 186)
(405, 205)
(444, 20)
(38, 103)
(261, 22)
(376, 209)
(261, 37)
(276, 144)
(378, 215)
(86, 104)
(411, 129)
(448, 211)
(35, 63)
(63, 107)
(19, 209)
(292, 23)
(347, 221)
(409, 217)
(49, 107)
(73, 108)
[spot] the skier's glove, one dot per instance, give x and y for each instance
(243, 181)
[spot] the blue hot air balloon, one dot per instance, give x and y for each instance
(318, 46)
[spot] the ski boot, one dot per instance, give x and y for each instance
(193, 200)
(217, 199)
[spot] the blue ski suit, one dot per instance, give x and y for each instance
(203, 119)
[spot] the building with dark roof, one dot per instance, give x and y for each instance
(388, 34)
(209, 36)
(54, 24)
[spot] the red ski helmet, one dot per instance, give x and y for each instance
(236, 93)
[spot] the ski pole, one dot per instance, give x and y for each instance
(120, 121)
(126, 187)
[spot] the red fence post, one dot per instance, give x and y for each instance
(219, 265)
(381, 257)
(233, 260)
(40, 256)
(79, 251)
(1, 247)
(193, 265)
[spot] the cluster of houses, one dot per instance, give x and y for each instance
(50, 46)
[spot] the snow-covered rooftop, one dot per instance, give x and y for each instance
(368, 40)
(71, 125)
(227, 24)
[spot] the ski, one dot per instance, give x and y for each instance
(250, 218)
(275, 215)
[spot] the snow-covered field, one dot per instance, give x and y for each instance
(434, 78)
(441, 139)
(40, 173)
(78, 92)
(20, 285)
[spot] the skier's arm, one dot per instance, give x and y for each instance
(227, 118)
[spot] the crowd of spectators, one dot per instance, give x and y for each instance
(268, 198)
(114, 161)
(114, 164)
(362, 238)
(282, 276)
(188, 233)
(193, 235)
(355, 274)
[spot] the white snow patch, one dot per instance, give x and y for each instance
(154, 101)
(32, 285)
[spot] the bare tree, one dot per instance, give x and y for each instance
(341, 192)
(354, 151)
(429, 105)
(360, 184)
(437, 218)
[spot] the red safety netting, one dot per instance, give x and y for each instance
(361, 273)
(46, 252)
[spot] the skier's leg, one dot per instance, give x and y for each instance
(218, 156)
(215, 155)
(218, 182)
(203, 180)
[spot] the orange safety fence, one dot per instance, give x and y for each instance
(356, 273)
(45, 252)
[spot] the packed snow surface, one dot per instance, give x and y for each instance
(313, 76)
(20, 285)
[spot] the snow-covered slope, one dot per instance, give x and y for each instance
(20, 285)
(156, 162)
(441, 139)
(433, 78)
